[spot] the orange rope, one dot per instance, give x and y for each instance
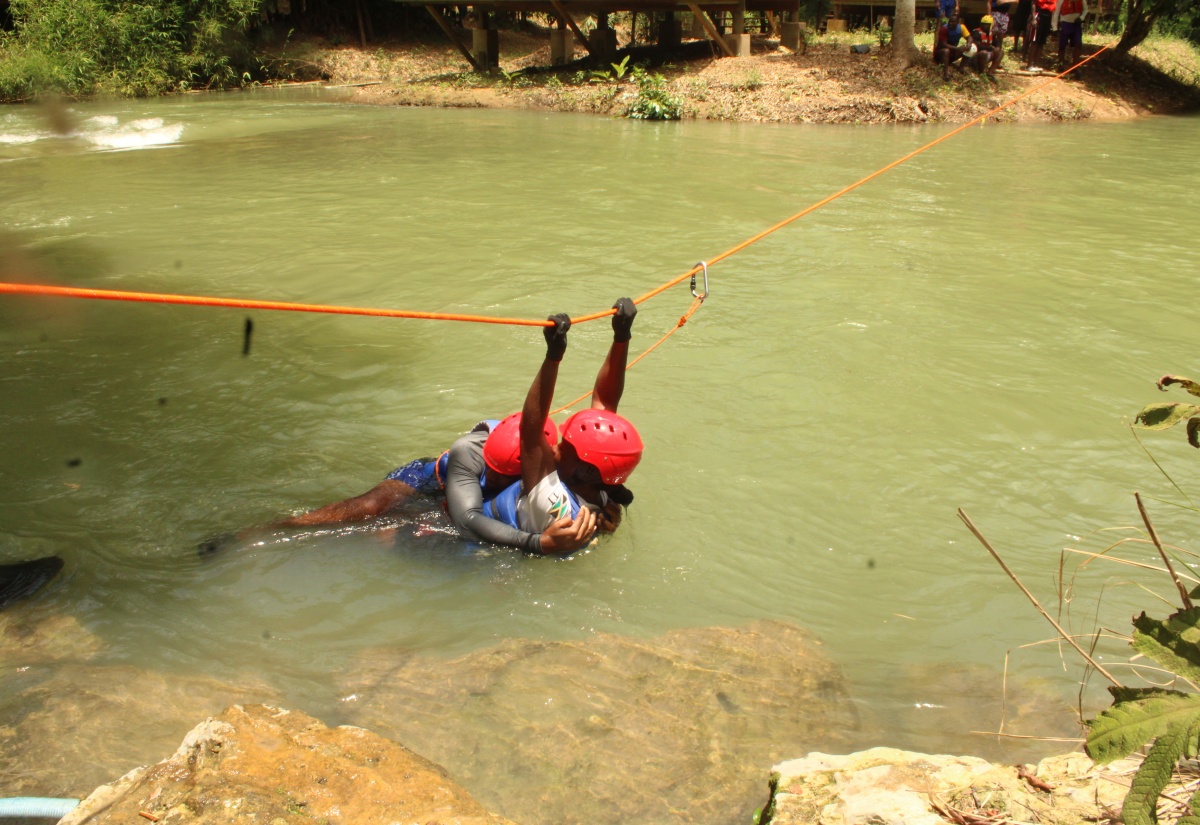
(193, 300)
(148, 297)
(696, 304)
(735, 249)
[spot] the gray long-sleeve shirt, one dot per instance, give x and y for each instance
(464, 497)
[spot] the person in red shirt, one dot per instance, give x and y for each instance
(1041, 33)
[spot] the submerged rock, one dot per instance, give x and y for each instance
(30, 637)
(262, 764)
(613, 729)
(883, 786)
(64, 729)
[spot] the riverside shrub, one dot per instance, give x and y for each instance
(126, 47)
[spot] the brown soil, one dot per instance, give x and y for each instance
(825, 84)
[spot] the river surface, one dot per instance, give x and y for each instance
(972, 329)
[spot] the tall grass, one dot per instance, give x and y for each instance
(124, 47)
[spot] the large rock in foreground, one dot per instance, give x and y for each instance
(883, 786)
(612, 729)
(262, 764)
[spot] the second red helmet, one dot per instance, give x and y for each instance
(502, 450)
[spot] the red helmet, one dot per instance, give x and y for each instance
(502, 450)
(606, 441)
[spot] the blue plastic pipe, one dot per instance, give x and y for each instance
(37, 806)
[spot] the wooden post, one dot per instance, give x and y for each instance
(441, 21)
(570, 21)
(711, 29)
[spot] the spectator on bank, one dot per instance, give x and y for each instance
(947, 8)
(953, 41)
(1018, 26)
(981, 38)
(1000, 20)
(1068, 20)
(1043, 23)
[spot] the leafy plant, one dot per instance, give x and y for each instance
(653, 101)
(1169, 718)
(1166, 719)
(1167, 415)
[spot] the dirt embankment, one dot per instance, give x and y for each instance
(827, 83)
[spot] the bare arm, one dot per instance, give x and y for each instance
(537, 454)
(610, 381)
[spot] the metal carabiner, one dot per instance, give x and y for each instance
(705, 295)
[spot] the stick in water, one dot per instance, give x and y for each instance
(1087, 657)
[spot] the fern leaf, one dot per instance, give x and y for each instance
(1171, 644)
(1153, 775)
(1129, 724)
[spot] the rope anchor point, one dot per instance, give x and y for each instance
(704, 266)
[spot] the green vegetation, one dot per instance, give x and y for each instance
(1167, 415)
(1169, 718)
(126, 47)
(1157, 714)
(653, 100)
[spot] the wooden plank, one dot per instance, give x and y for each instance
(711, 29)
(441, 21)
(570, 21)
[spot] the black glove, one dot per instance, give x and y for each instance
(556, 336)
(623, 321)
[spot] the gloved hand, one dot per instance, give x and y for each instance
(623, 321)
(556, 336)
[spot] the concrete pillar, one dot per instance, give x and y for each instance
(738, 40)
(562, 46)
(670, 32)
(792, 35)
(739, 44)
(602, 40)
(485, 47)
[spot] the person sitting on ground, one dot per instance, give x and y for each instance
(1068, 20)
(981, 38)
(598, 451)
(951, 44)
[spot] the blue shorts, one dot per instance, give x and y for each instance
(425, 475)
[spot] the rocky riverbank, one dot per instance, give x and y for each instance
(683, 727)
(257, 763)
(825, 83)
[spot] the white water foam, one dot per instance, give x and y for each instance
(102, 132)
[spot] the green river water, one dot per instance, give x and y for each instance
(970, 330)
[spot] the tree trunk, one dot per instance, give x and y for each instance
(904, 47)
(1142, 14)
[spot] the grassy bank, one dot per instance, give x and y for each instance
(85, 48)
(827, 83)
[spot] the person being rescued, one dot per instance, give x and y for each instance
(488, 461)
(952, 43)
(598, 452)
